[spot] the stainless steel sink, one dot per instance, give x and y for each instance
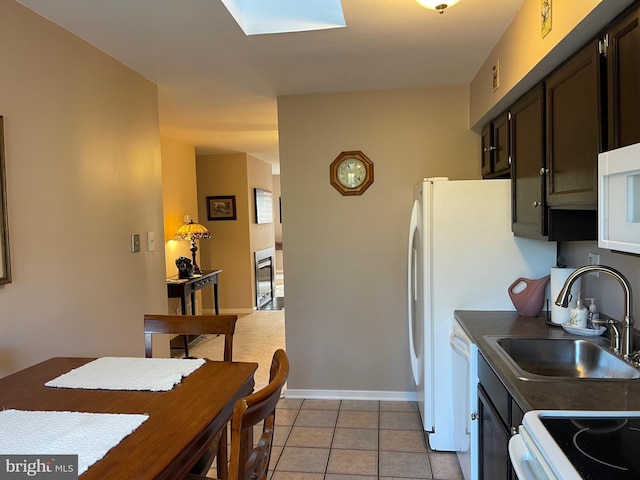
(562, 358)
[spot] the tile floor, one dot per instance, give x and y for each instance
(334, 439)
(354, 440)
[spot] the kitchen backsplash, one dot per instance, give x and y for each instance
(605, 289)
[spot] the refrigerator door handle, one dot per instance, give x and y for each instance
(412, 296)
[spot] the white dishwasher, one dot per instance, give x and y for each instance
(465, 399)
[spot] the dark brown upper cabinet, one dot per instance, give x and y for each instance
(529, 215)
(495, 148)
(573, 130)
(549, 140)
(623, 80)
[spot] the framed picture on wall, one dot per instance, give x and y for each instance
(545, 17)
(264, 205)
(221, 207)
(5, 263)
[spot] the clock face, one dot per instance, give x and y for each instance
(351, 172)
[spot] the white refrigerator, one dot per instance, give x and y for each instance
(462, 255)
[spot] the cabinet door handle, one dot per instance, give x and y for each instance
(474, 416)
(489, 149)
(536, 204)
(544, 171)
(514, 431)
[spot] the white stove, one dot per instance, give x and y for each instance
(575, 445)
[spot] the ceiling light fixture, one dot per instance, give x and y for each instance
(437, 5)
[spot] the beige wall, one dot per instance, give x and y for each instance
(262, 235)
(178, 196)
(233, 241)
(525, 57)
(229, 245)
(83, 174)
(346, 257)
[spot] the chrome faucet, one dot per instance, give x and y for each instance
(624, 339)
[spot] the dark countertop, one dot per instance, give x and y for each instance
(578, 394)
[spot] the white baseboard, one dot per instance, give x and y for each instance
(350, 395)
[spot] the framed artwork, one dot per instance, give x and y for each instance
(5, 263)
(221, 207)
(545, 17)
(264, 205)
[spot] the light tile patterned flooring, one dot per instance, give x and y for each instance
(334, 439)
(354, 440)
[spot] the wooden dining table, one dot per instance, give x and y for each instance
(181, 423)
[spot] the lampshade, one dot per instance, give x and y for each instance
(438, 5)
(192, 230)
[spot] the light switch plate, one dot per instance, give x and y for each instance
(135, 243)
(151, 241)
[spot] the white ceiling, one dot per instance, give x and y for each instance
(218, 87)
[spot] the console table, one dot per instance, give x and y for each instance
(183, 287)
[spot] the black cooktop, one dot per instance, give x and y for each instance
(600, 447)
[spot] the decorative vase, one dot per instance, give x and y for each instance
(528, 295)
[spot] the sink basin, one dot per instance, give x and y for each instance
(562, 358)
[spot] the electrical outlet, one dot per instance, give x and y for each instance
(593, 259)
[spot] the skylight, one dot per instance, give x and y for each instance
(257, 17)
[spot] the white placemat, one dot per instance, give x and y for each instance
(128, 373)
(88, 435)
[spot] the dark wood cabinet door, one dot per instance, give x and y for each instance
(495, 148)
(486, 141)
(573, 119)
(623, 80)
(501, 161)
(528, 165)
(493, 442)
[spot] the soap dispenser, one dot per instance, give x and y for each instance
(579, 315)
(593, 312)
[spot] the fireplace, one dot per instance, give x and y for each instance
(265, 277)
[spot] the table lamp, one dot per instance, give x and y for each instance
(193, 231)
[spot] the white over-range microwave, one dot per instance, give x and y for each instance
(619, 199)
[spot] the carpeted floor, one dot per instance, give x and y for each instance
(257, 337)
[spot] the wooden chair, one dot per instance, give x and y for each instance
(198, 325)
(191, 325)
(249, 462)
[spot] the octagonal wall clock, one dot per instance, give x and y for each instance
(351, 173)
